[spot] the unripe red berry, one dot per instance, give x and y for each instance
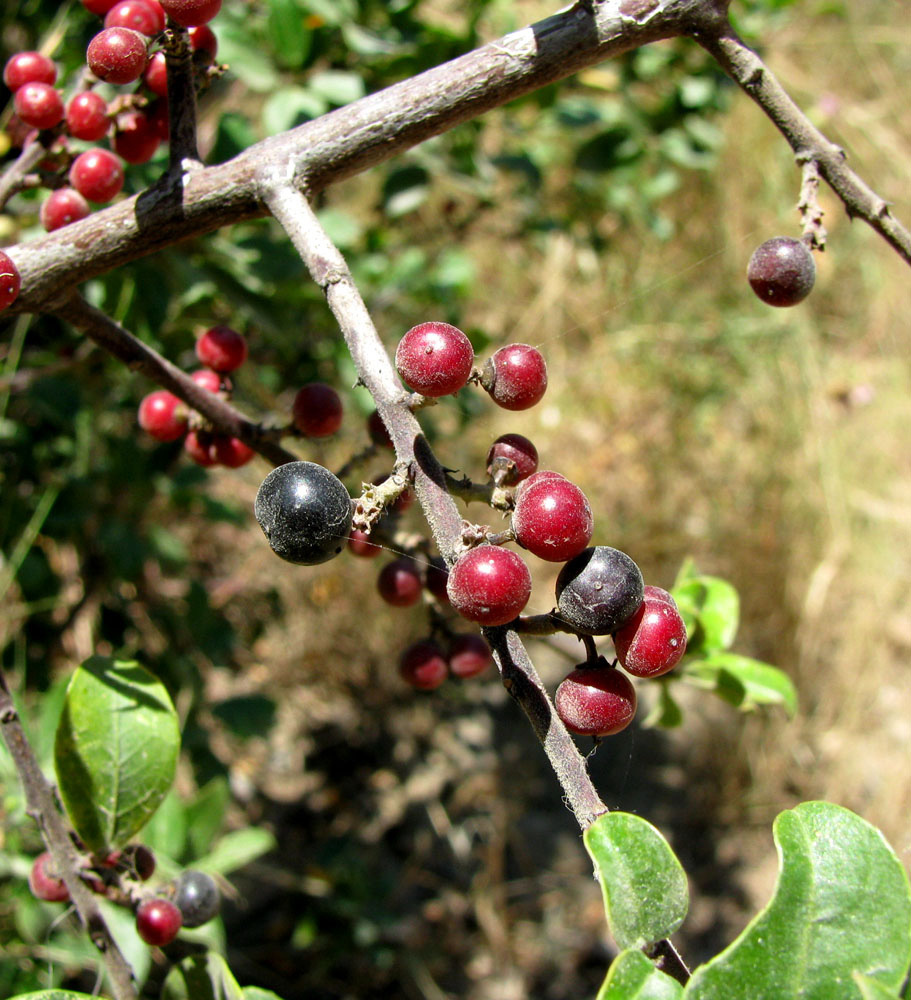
(191, 13)
(596, 700)
(62, 207)
(222, 349)
(44, 883)
(468, 656)
(9, 281)
(28, 67)
(203, 40)
(144, 16)
(553, 520)
(97, 175)
(87, 116)
(515, 377)
(39, 105)
(208, 379)
(199, 446)
(653, 641)
(317, 410)
(434, 359)
(135, 139)
(163, 415)
(517, 450)
(399, 583)
(157, 921)
(360, 545)
(782, 271)
(117, 55)
(155, 76)
(423, 665)
(231, 451)
(489, 585)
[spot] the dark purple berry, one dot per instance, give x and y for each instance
(782, 271)
(598, 591)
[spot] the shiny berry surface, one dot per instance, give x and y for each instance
(596, 700)
(423, 666)
(97, 175)
(197, 897)
(489, 585)
(39, 105)
(317, 410)
(515, 377)
(135, 139)
(117, 55)
(304, 511)
(222, 349)
(434, 359)
(28, 67)
(598, 591)
(9, 281)
(87, 116)
(144, 16)
(157, 921)
(468, 656)
(44, 883)
(653, 641)
(143, 861)
(782, 271)
(513, 457)
(553, 520)
(61, 207)
(399, 583)
(231, 451)
(163, 415)
(155, 76)
(207, 379)
(191, 13)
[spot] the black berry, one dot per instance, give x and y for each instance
(197, 897)
(599, 590)
(782, 271)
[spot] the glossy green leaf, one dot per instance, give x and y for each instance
(873, 989)
(257, 993)
(116, 750)
(205, 814)
(53, 995)
(842, 906)
(711, 609)
(632, 976)
(337, 86)
(742, 681)
(201, 977)
(288, 33)
(644, 886)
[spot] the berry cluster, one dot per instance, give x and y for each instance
(190, 900)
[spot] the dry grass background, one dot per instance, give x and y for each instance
(773, 446)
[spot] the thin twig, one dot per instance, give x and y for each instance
(182, 146)
(14, 178)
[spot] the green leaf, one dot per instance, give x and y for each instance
(633, 977)
(290, 106)
(256, 993)
(167, 831)
(667, 712)
(116, 750)
(236, 849)
(53, 995)
(201, 977)
(873, 989)
(205, 814)
(711, 609)
(288, 33)
(744, 682)
(337, 86)
(644, 886)
(842, 906)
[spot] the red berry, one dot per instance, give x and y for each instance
(360, 545)
(144, 16)
(28, 67)
(377, 431)
(9, 281)
(117, 55)
(208, 379)
(553, 520)
(515, 377)
(87, 116)
(62, 207)
(163, 415)
(469, 655)
(222, 349)
(782, 271)
(658, 594)
(202, 39)
(515, 455)
(317, 410)
(39, 105)
(157, 921)
(44, 883)
(653, 641)
(489, 585)
(191, 13)
(434, 359)
(97, 175)
(596, 700)
(436, 578)
(399, 583)
(99, 7)
(156, 75)
(231, 451)
(135, 138)
(423, 665)
(198, 445)
(537, 477)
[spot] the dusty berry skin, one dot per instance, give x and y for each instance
(553, 520)
(359, 544)
(87, 116)
(651, 593)
(653, 641)
(231, 451)
(489, 585)
(317, 410)
(596, 700)
(197, 897)
(782, 271)
(157, 921)
(163, 415)
(222, 349)
(423, 665)
(144, 16)
(9, 281)
(399, 583)
(136, 138)
(44, 884)
(598, 591)
(117, 55)
(513, 448)
(468, 656)
(305, 512)
(515, 377)
(434, 359)
(28, 67)
(97, 175)
(191, 13)
(436, 577)
(39, 105)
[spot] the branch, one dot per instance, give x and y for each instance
(182, 147)
(808, 143)
(140, 357)
(42, 807)
(14, 177)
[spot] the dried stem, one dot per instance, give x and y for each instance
(811, 213)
